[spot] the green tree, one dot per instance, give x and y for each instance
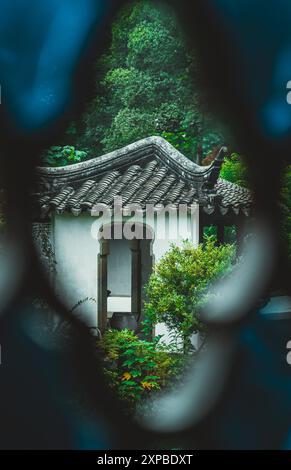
(145, 85)
(177, 288)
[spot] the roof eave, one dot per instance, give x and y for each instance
(133, 153)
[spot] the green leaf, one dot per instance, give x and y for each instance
(129, 362)
(128, 352)
(129, 383)
(149, 378)
(135, 373)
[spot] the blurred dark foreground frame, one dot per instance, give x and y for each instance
(243, 401)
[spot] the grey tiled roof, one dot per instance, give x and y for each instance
(150, 171)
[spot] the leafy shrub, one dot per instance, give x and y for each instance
(234, 170)
(177, 288)
(62, 156)
(135, 368)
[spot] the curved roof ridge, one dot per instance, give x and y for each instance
(140, 150)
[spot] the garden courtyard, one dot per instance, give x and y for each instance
(147, 146)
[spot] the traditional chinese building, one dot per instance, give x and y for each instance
(103, 223)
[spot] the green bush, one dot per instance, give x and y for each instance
(177, 288)
(136, 368)
(62, 156)
(234, 170)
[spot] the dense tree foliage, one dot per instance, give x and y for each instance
(145, 85)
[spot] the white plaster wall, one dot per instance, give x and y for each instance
(118, 304)
(76, 253)
(173, 229)
(76, 245)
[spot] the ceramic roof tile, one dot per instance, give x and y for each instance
(147, 172)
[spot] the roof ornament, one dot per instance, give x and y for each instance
(213, 175)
